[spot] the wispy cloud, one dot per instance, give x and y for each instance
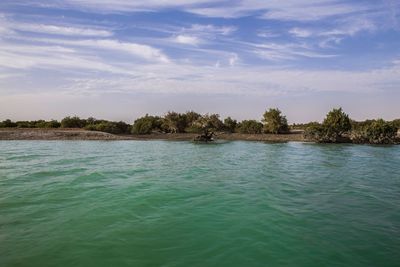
(145, 52)
(298, 32)
(297, 10)
(60, 30)
(350, 27)
(211, 29)
(187, 39)
(287, 51)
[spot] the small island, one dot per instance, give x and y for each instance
(337, 127)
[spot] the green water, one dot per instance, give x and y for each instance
(160, 203)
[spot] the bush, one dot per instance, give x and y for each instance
(7, 124)
(146, 124)
(250, 127)
(376, 132)
(274, 122)
(335, 125)
(109, 127)
(73, 122)
(174, 122)
(230, 125)
(208, 123)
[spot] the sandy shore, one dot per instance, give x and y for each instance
(80, 134)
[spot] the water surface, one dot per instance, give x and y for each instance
(160, 203)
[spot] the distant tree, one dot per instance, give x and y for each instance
(209, 123)
(191, 117)
(250, 127)
(7, 124)
(91, 120)
(230, 124)
(146, 125)
(334, 126)
(174, 122)
(46, 124)
(73, 122)
(396, 123)
(275, 122)
(376, 132)
(25, 124)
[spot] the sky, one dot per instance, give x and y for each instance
(118, 60)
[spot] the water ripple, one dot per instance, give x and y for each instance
(132, 203)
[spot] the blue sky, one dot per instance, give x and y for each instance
(122, 59)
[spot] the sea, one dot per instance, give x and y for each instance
(167, 203)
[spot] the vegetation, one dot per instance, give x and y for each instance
(230, 125)
(73, 122)
(275, 122)
(109, 127)
(333, 128)
(376, 132)
(337, 127)
(250, 127)
(30, 124)
(146, 125)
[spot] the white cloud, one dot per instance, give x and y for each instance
(55, 61)
(60, 30)
(142, 51)
(233, 59)
(237, 80)
(302, 33)
(267, 34)
(297, 10)
(350, 27)
(287, 51)
(187, 39)
(211, 29)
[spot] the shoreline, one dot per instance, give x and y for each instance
(81, 134)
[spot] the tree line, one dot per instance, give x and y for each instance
(337, 127)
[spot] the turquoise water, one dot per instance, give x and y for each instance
(159, 203)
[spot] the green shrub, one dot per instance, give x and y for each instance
(376, 132)
(146, 124)
(7, 124)
(275, 122)
(250, 127)
(73, 122)
(230, 125)
(332, 130)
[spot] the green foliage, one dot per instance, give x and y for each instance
(30, 124)
(336, 123)
(49, 124)
(146, 124)
(230, 125)
(7, 124)
(275, 122)
(73, 122)
(174, 122)
(376, 132)
(250, 127)
(209, 123)
(396, 123)
(316, 132)
(302, 126)
(109, 127)
(334, 126)
(191, 118)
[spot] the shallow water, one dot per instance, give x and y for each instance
(160, 203)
